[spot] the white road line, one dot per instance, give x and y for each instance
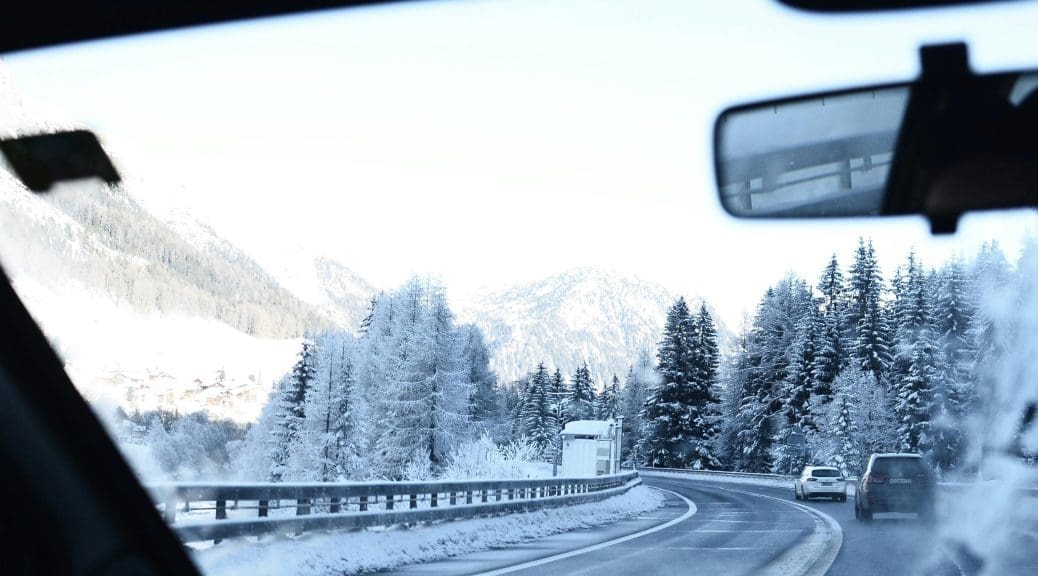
(817, 554)
(534, 563)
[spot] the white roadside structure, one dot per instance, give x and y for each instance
(591, 447)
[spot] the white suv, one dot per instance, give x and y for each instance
(820, 481)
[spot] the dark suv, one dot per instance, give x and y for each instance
(895, 483)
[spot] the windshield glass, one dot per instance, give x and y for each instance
(453, 242)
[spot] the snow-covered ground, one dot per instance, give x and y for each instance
(152, 361)
(369, 550)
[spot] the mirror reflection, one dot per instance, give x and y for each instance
(820, 156)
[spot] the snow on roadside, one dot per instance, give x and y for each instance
(369, 550)
(776, 482)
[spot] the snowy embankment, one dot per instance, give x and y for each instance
(377, 549)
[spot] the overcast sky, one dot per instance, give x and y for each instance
(497, 142)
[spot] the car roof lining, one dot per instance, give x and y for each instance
(42, 23)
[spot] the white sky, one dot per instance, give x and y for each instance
(490, 143)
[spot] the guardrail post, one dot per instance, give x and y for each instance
(511, 493)
(264, 508)
(414, 501)
(335, 506)
(221, 514)
(498, 497)
(433, 503)
(302, 506)
(389, 502)
(454, 499)
(363, 503)
(468, 497)
(169, 512)
(483, 495)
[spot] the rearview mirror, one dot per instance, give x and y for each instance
(945, 144)
(826, 155)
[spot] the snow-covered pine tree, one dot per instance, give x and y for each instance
(954, 392)
(800, 385)
(915, 397)
(870, 334)
(582, 395)
(538, 420)
(865, 319)
(559, 395)
(632, 398)
(331, 445)
(680, 412)
(846, 452)
(830, 353)
(912, 375)
(429, 385)
(608, 401)
(290, 410)
(486, 404)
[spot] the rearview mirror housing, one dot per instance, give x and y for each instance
(945, 144)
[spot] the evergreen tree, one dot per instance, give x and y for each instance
(680, 412)
(608, 402)
(914, 405)
(428, 378)
(868, 333)
(582, 395)
(632, 398)
(954, 393)
(290, 410)
(912, 375)
(829, 353)
(486, 406)
(560, 395)
(538, 419)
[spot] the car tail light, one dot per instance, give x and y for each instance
(812, 479)
(875, 478)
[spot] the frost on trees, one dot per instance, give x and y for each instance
(680, 413)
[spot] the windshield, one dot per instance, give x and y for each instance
(449, 243)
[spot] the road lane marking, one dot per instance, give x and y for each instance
(812, 557)
(534, 563)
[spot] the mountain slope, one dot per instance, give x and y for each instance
(585, 314)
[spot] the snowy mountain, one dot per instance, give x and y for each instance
(605, 318)
(148, 306)
(335, 291)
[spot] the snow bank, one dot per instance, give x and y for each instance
(744, 480)
(733, 479)
(369, 550)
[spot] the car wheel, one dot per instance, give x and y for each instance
(864, 515)
(796, 493)
(843, 498)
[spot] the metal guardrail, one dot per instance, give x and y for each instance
(330, 506)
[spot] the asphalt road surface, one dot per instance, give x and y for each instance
(709, 527)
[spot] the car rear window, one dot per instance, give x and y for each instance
(899, 467)
(825, 473)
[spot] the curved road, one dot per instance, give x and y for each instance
(709, 527)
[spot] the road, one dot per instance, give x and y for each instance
(709, 527)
